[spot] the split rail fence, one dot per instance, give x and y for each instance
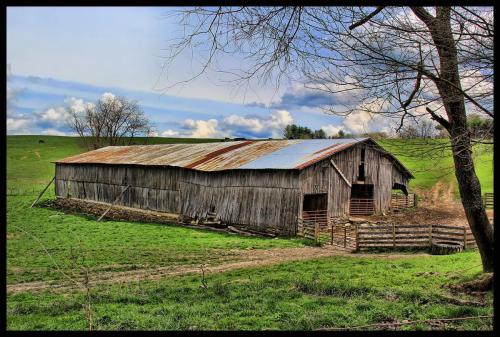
(356, 237)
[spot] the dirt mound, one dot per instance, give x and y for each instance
(119, 213)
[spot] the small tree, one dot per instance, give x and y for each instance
(109, 121)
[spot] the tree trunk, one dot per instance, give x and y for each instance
(470, 192)
(449, 87)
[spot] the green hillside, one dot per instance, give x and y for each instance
(431, 161)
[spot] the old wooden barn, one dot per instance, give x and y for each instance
(266, 185)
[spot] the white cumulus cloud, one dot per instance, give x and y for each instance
(53, 132)
(332, 130)
(169, 133)
(18, 125)
(257, 126)
(202, 129)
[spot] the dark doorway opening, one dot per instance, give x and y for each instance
(361, 200)
(315, 202)
(315, 208)
(362, 191)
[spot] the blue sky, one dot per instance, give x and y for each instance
(60, 56)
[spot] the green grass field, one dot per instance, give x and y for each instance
(327, 292)
(43, 243)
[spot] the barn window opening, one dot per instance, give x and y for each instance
(361, 172)
(361, 167)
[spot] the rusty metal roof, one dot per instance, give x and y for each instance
(267, 154)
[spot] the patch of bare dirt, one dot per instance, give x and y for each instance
(435, 206)
(245, 259)
(480, 285)
(95, 209)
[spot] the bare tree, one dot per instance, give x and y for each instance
(400, 62)
(109, 121)
(417, 129)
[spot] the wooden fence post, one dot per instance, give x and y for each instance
(430, 235)
(41, 193)
(345, 236)
(316, 232)
(393, 235)
(357, 237)
(332, 236)
(465, 237)
(111, 205)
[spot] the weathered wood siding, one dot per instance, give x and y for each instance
(379, 171)
(263, 199)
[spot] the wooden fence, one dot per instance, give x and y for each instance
(488, 200)
(356, 237)
(399, 201)
(417, 236)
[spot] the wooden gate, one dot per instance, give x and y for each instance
(361, 206)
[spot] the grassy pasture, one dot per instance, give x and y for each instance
(313, 294)
(334, 291)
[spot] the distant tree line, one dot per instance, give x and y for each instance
(479, 127)
(293, 131)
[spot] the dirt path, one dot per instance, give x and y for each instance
(436, 206)
(246, 259)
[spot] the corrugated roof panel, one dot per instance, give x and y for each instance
(297, 154)
(269, 154)
(237, 158)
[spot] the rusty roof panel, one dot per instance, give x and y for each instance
(269, 154)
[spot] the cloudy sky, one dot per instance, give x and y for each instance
(68, 56)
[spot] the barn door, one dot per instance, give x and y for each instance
(361, 200)
(314, 208)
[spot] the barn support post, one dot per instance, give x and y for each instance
(114, 201)
(41, 193)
